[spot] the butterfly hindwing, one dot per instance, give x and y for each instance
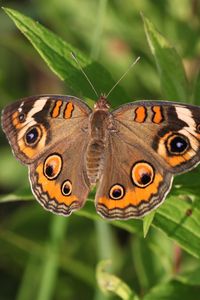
(133, 182)
(58, 179)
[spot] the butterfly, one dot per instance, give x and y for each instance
(131, 153)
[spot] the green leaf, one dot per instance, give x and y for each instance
(173, 290)
(191, 277)
(110, 283)
(196, 91)
(177, 218)
(172, 75)
(147, 221)
(57, 54)
(180, 221)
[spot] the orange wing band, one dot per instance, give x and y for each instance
(140, 114)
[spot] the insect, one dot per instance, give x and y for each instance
(131, 153)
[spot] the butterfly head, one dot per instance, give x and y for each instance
(102, 103)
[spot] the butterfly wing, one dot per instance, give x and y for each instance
(33, 124)
(44, 133)
(152, 142)
(58, 179)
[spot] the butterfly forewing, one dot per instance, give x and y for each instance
(35, 124)
(168, 130)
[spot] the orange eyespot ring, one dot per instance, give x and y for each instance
(66, 188)
(117, 192)
(52, 166)
(142, 174)
(177, 144)
(33, 135)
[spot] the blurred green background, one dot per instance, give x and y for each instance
(47, 257)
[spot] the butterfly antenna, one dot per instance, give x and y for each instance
(134, 63)
(79, 65)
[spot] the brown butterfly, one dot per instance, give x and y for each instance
(131, 153)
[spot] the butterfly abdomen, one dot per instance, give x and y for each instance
(96, 147)
(94, 160)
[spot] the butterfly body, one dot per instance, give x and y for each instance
(101, 123)
(131, 153)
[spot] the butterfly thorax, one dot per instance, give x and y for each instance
(102, 104)
(99, 124)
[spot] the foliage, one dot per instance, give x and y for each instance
(42, 256)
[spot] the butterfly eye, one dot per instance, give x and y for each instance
(33, 135)
(177, 144)
(142, 174)
(117, 192)
(52, 166)
(66, 188)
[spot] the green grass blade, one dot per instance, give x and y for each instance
(145, 252)
(31, 278)
(172, 75)
(51, 258)
(68, 264)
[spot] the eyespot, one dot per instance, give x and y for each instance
(142, 174)
(117, 192)
(52, 166)
(66, 188)
(177, 144)
(21, 117)
(33, 135)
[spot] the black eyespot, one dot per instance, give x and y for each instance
(49, 171)
(21, 117)
(117, 192)
(66, 188)
(52, 166)
(177, 144)
(142, 174)
(145, 178)
(32, 135)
